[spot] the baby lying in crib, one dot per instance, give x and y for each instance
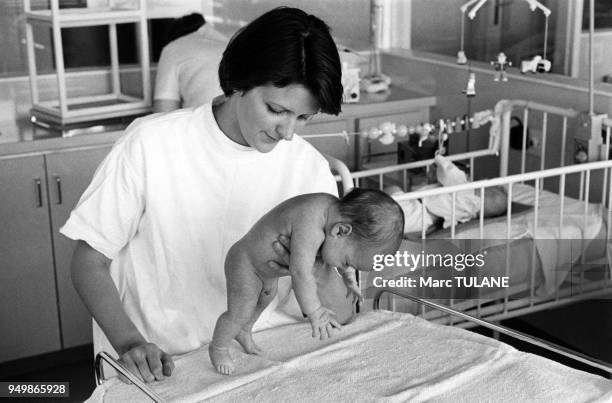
(439, 207)
(346, 233)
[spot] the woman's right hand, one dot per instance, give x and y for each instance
(281, 247)
(147, 361)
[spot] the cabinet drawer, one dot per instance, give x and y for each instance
(69, 174)
(29, 322)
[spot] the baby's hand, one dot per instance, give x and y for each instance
(323, 323)
(349, 277)
(353, 289)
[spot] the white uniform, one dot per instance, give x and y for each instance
(467, 204)
(166, 205)
(188, 67)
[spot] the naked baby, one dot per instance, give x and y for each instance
(345, 233)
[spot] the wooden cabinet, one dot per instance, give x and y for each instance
(29, 321)
(40, 310)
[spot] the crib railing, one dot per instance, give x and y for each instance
(578, 286)
(529, 109)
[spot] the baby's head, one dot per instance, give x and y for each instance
(366, 222)
(495, 201)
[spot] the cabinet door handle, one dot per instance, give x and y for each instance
(39, 201)
(58, 184)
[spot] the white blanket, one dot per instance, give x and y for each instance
(556, 252)
(382, 356)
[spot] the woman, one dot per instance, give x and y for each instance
(177, 190)
(188, 65)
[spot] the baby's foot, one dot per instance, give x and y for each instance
(246, 341)
(221, 360)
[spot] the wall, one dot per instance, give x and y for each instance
(602, 55)
(444, 25)
(349, 19)
(349, 24)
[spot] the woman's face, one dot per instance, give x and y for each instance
(268, 114)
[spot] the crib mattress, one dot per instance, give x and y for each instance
(559, 246)
(381, 355)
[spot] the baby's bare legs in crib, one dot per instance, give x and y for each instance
(247, 297)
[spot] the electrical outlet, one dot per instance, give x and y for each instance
(535, 143)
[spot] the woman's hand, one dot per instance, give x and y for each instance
(281, 247)
(147, 361)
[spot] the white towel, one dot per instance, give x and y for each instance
(381, 356)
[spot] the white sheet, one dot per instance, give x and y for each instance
(382, 356)
(556, 257)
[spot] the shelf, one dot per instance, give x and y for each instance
(90, 108)
(66, 110)
(78, 17)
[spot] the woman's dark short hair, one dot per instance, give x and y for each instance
(375, 217)
(282, 47)
(185, 25)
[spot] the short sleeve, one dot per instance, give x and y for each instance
(166, 80)
(109, 212)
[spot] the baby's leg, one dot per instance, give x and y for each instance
(243, 289)
(393, 190)
(449, 174)
(245, 337)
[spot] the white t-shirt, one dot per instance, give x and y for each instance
(166, 205)
(188, 67)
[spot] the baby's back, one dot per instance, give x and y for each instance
(309, 209)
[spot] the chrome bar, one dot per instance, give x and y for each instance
(481, 213)
(543, 153)
(472, 166)
(605, 178)
(524, 148)
(563, 139)
(561, 215)
(423, 212)
(570, 113)
(99, 372)
(506, 180)
(581, 189)
(536, 209)
(453, 205)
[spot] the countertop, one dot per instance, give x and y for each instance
(34, 139)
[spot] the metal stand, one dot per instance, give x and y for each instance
(104, 356)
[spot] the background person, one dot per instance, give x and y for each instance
(187, 71)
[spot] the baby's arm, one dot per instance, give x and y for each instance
(306, 238)
(349, 276)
